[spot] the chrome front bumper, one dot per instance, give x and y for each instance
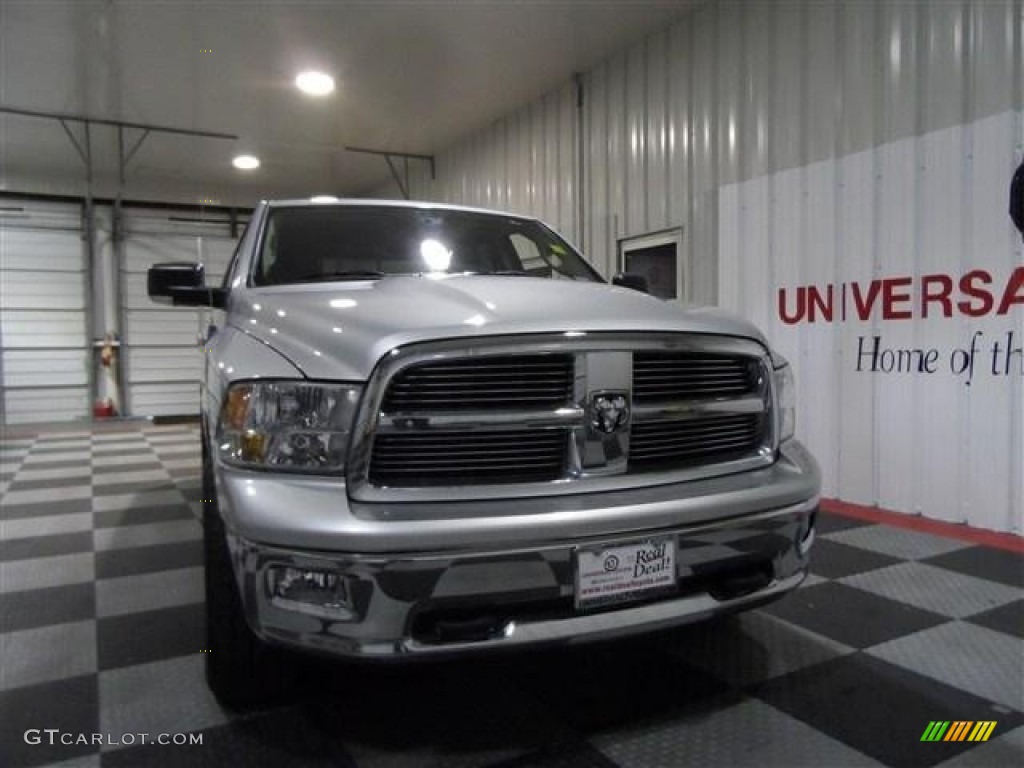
(515, 585)
(508, 599)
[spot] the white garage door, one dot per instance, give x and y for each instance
(162, 351)
(44, 347)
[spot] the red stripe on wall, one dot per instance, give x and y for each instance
(1008, 541)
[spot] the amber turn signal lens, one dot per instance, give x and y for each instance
(254, 445)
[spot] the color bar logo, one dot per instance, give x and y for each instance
(958, 730)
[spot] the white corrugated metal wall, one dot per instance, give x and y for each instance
(526, 163)
(738, 91)
(44, 347)
(162, 353)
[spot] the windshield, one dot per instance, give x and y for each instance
(310, 244)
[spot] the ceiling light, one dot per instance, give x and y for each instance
(314, 83)
(246, 162)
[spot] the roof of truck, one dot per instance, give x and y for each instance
(325, 200)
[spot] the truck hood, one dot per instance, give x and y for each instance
(340, 330)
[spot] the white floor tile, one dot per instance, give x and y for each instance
(47, 525)
(41, 473)
(43, 495)
(134, 594)
(19, 575)
(144, 457)
(897, 542)
(149, 534)
(35, 656)
(193, 462)
(61, 457)
(131, 476)
(160, 697)
(138, 500)
(934, 589)
(982, 661)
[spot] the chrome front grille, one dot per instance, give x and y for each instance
(483, 382)
(505, 417)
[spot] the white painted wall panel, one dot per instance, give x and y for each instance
(946, 444)
(163, 354)
(43, 335)
(42, 330)
(26, 368)
(31, 406)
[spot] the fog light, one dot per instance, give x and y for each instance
(324, 594)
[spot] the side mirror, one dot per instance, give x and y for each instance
(631, 280)
(183, 285)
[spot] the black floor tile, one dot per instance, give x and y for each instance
(112, 518)
(145, 486)
(985, 563)
(136, 638)
(72, 464)
(71, 706)
(53, 482)
(192, 493)
(111, 564)
(1007, 618)
(466, 707)
(100, 449)
(577, 754)
(879, 708)
(144, 463)
(46, 546)
(617, 684)
(852, 616)
(829, 522)
(67, 507)
(43, 607)
(273, 739)
(44, 446)
(834, 560)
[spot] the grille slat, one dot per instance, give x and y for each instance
(657, 444)
(463, 458)
(538, 380)
(661, 376)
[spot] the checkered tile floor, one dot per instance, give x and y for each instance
(101, 631)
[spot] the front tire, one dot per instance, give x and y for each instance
(241, 671)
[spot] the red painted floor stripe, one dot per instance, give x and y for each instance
(1008, 541)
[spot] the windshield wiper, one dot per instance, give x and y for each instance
(351, 274)
(512, 272)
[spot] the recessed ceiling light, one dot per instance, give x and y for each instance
(246, 162)
(314, 83)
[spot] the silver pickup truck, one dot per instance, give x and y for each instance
(430, 430)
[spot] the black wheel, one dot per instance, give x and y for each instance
(242, 672)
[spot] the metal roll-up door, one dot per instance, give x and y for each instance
(44, 345)
(162, 350)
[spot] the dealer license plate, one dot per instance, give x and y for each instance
(624, 572)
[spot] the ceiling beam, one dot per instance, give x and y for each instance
(88, 120)
(405, 157)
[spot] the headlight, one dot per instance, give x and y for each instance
(290, 426)
(785, 400)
